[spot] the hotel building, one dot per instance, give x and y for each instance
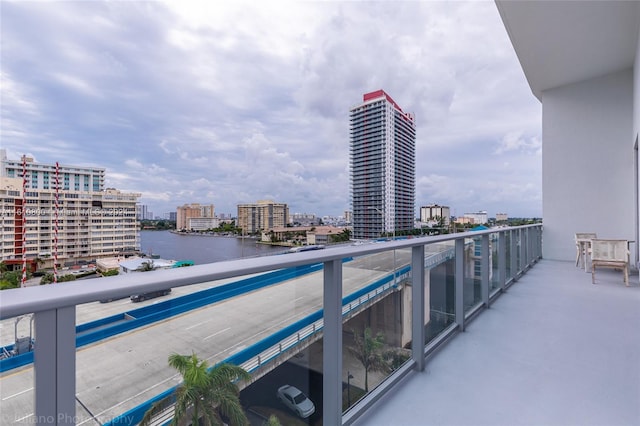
(86, 222)
(382, 161)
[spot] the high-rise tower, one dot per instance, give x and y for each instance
(382, 160)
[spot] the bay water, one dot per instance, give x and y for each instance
(202, 248)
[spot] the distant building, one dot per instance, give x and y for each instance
(301, 235)
(464, 220)
(502, 217)
(348, 216)
(144, 213)
(432, 212)
(321, 235)
(479, 218)
(263, 215)
(305, 219)
(86, 222)
(193, 210)
(203, 223)
(382, 161)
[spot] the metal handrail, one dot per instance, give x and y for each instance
(19, 301)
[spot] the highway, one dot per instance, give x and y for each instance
(119, 373)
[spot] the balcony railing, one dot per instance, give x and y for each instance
(440, 284)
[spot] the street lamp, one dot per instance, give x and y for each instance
(349, 377)
(394, 238)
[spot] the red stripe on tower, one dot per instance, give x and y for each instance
(23, 283)
(55, 227)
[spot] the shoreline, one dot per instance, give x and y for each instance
(213, 234)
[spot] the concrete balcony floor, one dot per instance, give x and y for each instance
(553, 350)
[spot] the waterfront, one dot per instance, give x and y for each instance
(202, 248)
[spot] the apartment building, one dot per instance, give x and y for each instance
(265, 214)
(382, 161)
(69, 225)
(432, 212)
(185, 213)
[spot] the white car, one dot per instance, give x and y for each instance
(296, 400)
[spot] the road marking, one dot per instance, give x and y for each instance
(25, 417)
(198, 324)
(216, 333)
(238, 349)
(16, 394)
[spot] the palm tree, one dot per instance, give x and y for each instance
(205, 394)
(273, 421)
(146, 266)
(368, 350)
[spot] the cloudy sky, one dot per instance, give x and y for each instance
(231, 102)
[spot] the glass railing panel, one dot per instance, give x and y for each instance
(376, 321)
(472, 273)
(363, 277)
(494, 275)
(440, 288)
(281, 346)
(270, 325)
(17, 404)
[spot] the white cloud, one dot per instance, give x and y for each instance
(233, 102)
(515, 141)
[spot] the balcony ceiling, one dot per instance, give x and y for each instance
(564, 42)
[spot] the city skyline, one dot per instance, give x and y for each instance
(233, 104)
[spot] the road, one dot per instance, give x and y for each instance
(119, 373)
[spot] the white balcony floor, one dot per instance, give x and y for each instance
(553, 350)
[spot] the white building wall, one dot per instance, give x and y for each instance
(636, 141)
(588, 162)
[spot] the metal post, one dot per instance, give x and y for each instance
(502, 259)
(55, 367)
(534, 239)
(459, 283)
(484, 270)
(332, 346)
(417, 306)
(540, 242)
(349, 377)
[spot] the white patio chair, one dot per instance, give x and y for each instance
(582, 247)
(610, 254)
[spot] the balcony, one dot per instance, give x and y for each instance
(553, 350)
(416, 290)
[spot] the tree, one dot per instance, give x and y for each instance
(10, 279)
(146, 266)
(369, 351)
(345, 235)
(273, 421)
(205, 394)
